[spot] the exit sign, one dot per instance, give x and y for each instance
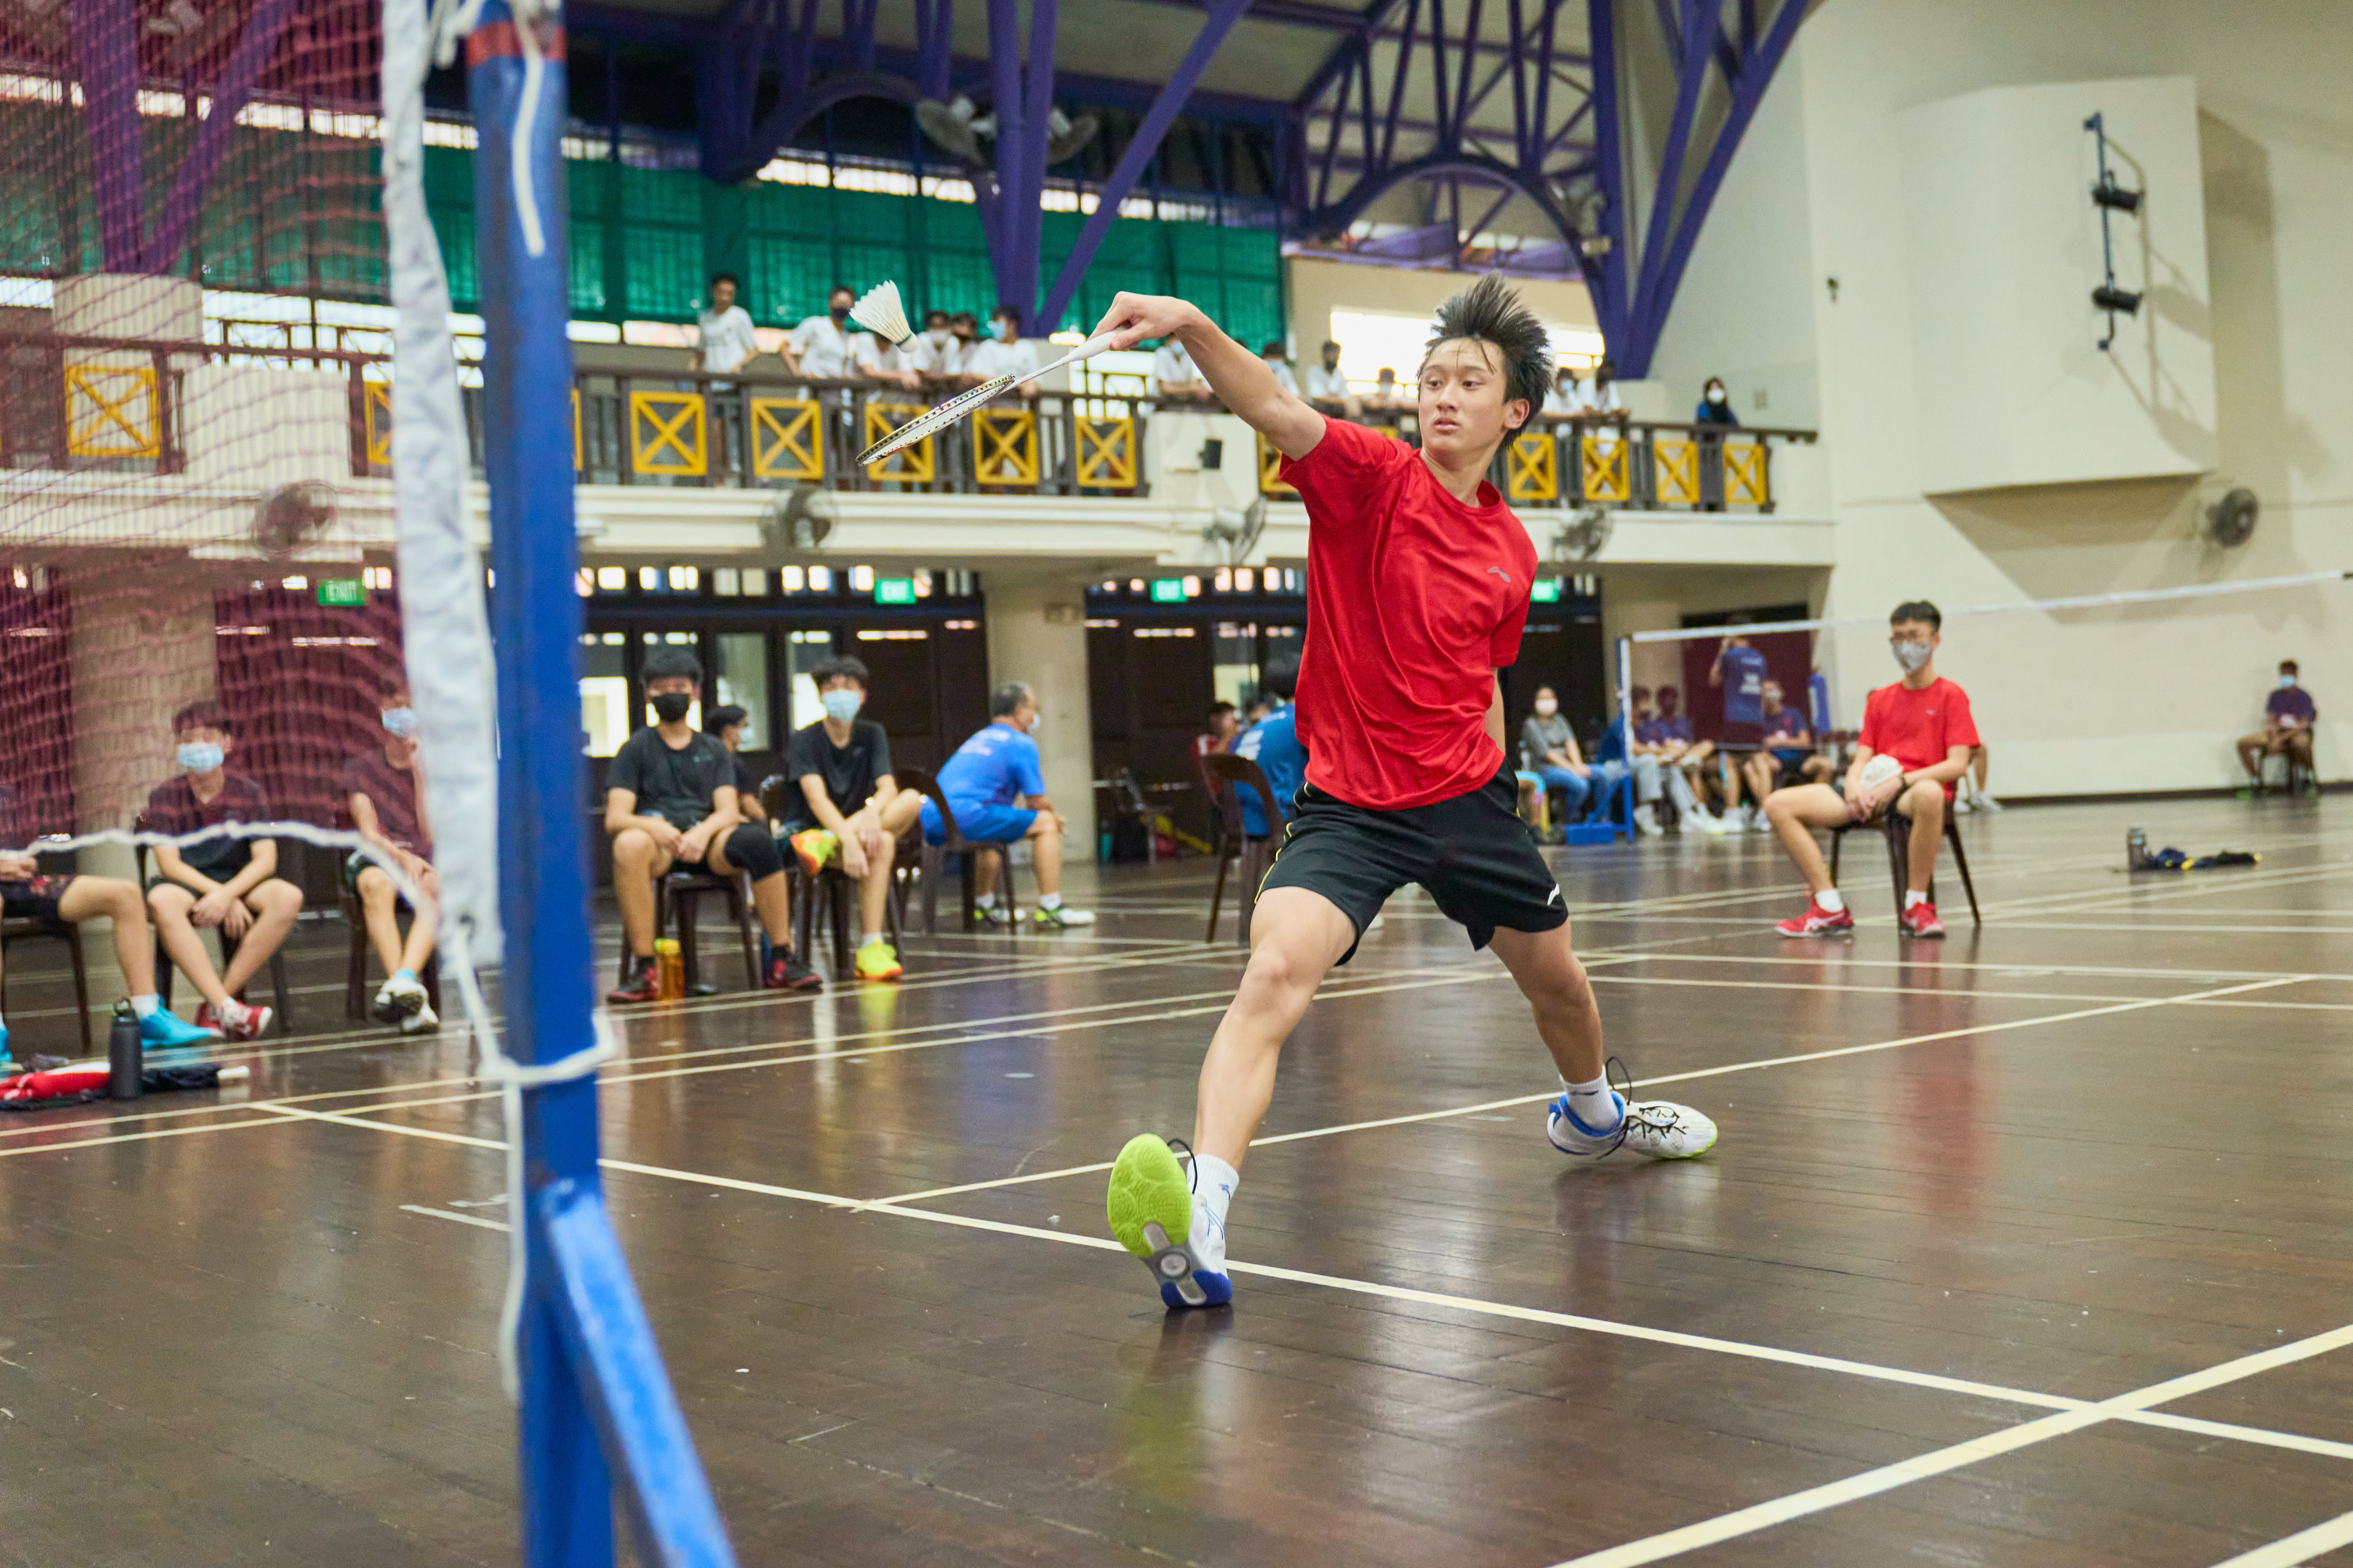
(341, 591)
(1546, 591)
(1168, 590)
(894, 590)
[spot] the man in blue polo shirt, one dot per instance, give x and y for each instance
(1273, 744)
(997, 791)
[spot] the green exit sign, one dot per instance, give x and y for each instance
(341, 591)
(1168, 590)
(894, 590)
(1546, 591)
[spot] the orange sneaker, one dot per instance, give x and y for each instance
(815, 846)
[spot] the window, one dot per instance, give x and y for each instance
(604, 696)
(743, 680)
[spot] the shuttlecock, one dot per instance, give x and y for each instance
(880, 313)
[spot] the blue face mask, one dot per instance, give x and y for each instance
(2288, 683)
(841, 707)
(1003, 330)
(201, 756)
(400, 721)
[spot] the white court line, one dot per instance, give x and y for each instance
(1870, 1483)
(2302, 1547)
(460, 1218)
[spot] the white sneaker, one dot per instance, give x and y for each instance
(1985, 802)
(1961, 806)
(1658, 1128)
(1757, 822)
(1706, 823)
(1646, 819)
(424, 1020)
(399, 999)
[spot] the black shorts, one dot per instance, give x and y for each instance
(750, 846)
(35, 899)
(1472, 853)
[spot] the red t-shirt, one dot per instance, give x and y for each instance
(1414, 601)
(1920, 728)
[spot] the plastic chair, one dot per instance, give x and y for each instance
(830, 897)
(1898, 830)
(1228, 776)
(935, 856)
(680, 894)
(165, 973)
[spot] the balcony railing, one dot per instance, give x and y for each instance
(120, 405)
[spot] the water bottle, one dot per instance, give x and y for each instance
(2137, 849)
(671, 963)
(125, 1056)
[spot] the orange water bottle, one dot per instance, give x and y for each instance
(671, 967)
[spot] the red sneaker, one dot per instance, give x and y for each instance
(1819, 922)
(644, 985)
(1921, 919)
(244, 1023)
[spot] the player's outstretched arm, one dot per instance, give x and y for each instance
(1240, 378)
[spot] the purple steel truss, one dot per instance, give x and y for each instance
(106, 53)
(1565, 147)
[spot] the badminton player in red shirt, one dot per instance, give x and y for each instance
(1917, 736)
(1417, 584)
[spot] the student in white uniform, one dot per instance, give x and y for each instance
(1174, 372)
(825, 347)
(1273, 354)
(935, 350)
(1562, 398)
(1002, 352)
(1325, 383)
(722, 334)
(1599, 394)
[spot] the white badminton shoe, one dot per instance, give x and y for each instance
(1657, 1128)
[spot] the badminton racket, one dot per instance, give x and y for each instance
(880, 312)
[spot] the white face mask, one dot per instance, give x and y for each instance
(1546, 707)
(940, 337)
(1912, 654)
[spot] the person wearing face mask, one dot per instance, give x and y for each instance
(1548, 750)
(829, 348)
(1922, 724)
(1715, 408)
(1280, 363)
(670, 801)
(385, 797)
(1003, 352)
(1327, 387)
(936, 352)
(1174, 373)
(850, 809)
(729, 723)
(996, 788)
(231, 884)
(2288, 717)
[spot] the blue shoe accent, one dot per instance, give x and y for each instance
(164, 1030)
(1218, 1288)
(1584, 1142)
(1561, 1108)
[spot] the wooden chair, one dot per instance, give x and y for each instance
(830, 897)
(1898, 830)
(356, 962)
(680, 894)
(934, 859)
(290, 870)
(1229, 775)
(16, 929)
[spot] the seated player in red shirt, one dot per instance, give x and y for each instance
(1922, 724)
(1418, 584)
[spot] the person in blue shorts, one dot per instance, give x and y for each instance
(1273, 744)
(996, 788)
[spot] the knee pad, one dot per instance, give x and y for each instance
(753, 849)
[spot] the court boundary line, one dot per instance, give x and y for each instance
(2300, 1548)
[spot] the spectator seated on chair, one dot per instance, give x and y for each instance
(383, 794)
(1273, 744)
(1548, 750)
(850, 811)
(1782, 760)
(1923, 726)
(228, 882)
(685, 782)
(59, 904)
(1673, 743)
(994, 786)
(2288, 717)
(1659, 746)
(728, 725)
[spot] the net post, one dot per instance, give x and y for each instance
(543, 875)
(1626, 717)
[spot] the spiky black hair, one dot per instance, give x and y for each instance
(1490, 312)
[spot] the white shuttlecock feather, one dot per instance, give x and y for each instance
(880, 313)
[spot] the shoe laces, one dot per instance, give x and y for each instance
(1192, 1162)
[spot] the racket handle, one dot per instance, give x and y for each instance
(1085, 351)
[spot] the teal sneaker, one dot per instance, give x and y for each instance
(1150, 1202)
(161, 1030)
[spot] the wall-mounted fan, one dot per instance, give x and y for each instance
(1584, 536)
(798, 520)
(1238, 531)
(292, 516)
(2231, 522)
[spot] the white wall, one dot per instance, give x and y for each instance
(1320, 288)
(2099, 701)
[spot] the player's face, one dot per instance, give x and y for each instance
(723, 295)
(1464, 407)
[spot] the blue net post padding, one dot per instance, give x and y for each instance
(595, 1398)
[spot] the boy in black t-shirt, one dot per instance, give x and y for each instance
(850, 805)
(670, 800)
(386, 800)
(232, 883)
(728, 723)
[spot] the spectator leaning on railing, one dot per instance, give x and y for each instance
(722, 334)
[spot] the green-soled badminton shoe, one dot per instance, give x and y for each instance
(1150, 1206)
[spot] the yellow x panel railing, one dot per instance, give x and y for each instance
(1745, 481)
(1676, 466)
(1269, 471)
(375, 413)
(111, 412)
(579, 448)
(1602, 459)
(918, 463)
(666, 435)
(787, 438)
(1107, 454)
(1531, 469)
(1005, 447)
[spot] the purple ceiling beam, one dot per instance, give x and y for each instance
(1607, 272)
(1699, 25)
(254, 49)
(1157, 121)
(106, 55)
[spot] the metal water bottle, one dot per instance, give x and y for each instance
(125, 1057)
(2137, 849)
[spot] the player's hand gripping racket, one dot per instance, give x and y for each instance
(880, 311)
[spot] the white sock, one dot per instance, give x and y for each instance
(870, 939)
(1049, 900)
(1911, 898)
(1214, 1181)
(147, 1007)
(1594, 1104)
(985, 901)
(1830, 901)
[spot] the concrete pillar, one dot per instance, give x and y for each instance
(1037, 623)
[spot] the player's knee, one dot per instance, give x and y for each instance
(1277, 969)
(633, 847)
(1924, 801)
(753, 849)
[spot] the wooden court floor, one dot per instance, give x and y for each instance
(2033, 1247)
